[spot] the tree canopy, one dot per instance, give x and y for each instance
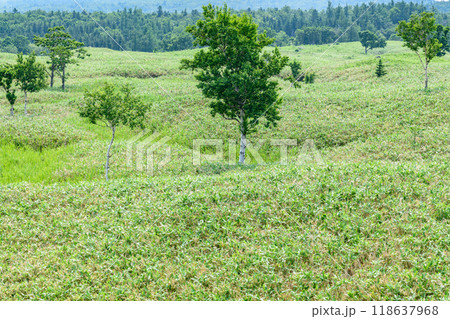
(7, 79)
(62, 50)
(110, 106)
(420, 35)
(30, 75)
(234, 71)
(370, 40)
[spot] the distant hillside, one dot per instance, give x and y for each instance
(442, 5)
(172, 5)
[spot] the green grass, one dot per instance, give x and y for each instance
(348, 232)
(371, 223)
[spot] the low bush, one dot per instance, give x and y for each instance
(37, 133)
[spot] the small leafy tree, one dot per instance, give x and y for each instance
(62, 50)
(30, 75)
(296, 69)
(370, 40)
(234, 71)
(380, 70)
(310, 77)
(299, 76)
(420, 33)
(7, 78)
(110, 106)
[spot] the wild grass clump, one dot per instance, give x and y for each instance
(134, 73)
(38, 133)
(214, 168)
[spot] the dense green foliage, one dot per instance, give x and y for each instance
(16, 44)
(310, 77)
(172, 5)
(443, 35)
(381, 69)
(7, 83)
(300, 76)
(442, 6)
(296, 69)
(165, 31)
(370, 40)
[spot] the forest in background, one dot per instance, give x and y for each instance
(163, 30)
(173, 5)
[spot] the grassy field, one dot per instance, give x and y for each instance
(367, 222)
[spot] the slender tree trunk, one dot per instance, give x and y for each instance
(11, 110)
(243, 139)
(52, 76)
(26, 101)
(365, 48)
(63, 78)
(108, 154)
(426, 77)
(243, 147)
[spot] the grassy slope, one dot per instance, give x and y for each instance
(370, 224)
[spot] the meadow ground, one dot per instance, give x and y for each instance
(369, 221)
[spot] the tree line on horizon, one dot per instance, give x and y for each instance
(160, 31)
(172, 6)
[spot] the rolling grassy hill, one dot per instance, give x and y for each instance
(368, 222)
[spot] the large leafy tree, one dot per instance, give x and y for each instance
(420, 35)
(234, 71)
(110, 106)
(30, 75)
(7, 79)
(62, 50)
(370, 40)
